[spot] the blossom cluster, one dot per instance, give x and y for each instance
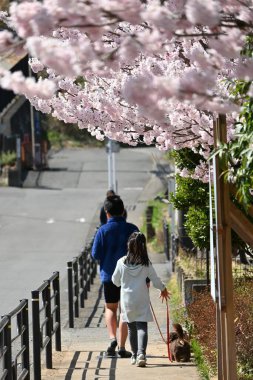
(152, 71)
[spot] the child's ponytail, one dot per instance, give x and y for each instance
(137, 250)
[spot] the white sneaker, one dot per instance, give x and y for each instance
(133, 359)
(141, 360)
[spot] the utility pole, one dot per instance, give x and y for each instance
(32, 125)
(112, 147)
(109, 161)
(114, 181)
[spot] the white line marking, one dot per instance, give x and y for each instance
(50, 221)
(133, 188)
(81, 220)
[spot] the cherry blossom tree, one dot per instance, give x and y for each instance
(150, 70)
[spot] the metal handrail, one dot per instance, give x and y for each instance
(81, 273)
(51, 322)
(4, 348)
(10, 363)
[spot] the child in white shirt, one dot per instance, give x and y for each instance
(132, 274)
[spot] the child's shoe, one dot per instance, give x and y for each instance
(133, 359)
(141, 360)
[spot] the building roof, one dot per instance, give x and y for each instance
(10, 60)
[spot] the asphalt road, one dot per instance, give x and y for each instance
(43, 227)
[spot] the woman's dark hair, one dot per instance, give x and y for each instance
(137, 250)
(114, 205)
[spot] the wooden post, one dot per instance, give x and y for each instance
(225, 306)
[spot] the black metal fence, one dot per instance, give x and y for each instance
(4, 344)
(15, 366)
(47, 304)
(46, 320)
(174, 250)
(166, 239)
(81, 273)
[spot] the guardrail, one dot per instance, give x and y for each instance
(11, 368)
(81, 273)
(4, 348)
(51, 323)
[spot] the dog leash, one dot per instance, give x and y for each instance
(167, 342)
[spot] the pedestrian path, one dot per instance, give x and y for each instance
(82, 356)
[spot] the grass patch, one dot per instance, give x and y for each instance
(59, 139)
(200, 360)
(160, 213)
(177, 309)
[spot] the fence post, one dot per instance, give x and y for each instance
(208, 268)
(150, 228)
(7, 343)
(166, 240)
(48, 316)
(25, 340)
(91, 270)
(81, 283)
(87, 270)
(70, 294)
(56, 286)
(85, 276)
(36, 335)
(76, 288)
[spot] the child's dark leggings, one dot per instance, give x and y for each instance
(138, 336)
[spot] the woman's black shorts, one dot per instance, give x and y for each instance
(111, 292)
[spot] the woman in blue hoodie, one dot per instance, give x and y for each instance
(132, 274)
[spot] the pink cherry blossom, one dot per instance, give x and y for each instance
(36, 65)
(201, 12)
(30, 18)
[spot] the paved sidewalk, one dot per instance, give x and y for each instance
(83, 347)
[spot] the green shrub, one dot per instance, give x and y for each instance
(189, 192)
(8, 158)
(198, 226)
(185, 158)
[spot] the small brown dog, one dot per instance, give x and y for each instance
(179, 346)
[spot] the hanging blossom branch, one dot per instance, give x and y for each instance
(157, 66)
